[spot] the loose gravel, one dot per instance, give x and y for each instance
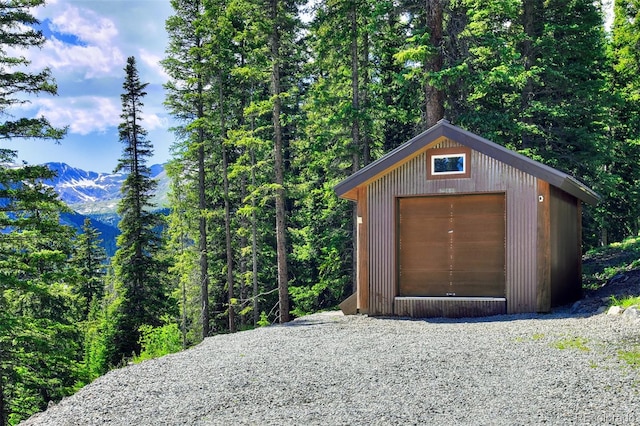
(328, 369)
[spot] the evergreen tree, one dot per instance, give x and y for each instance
(277, 14)
(620, 214)
(361, 101)
(231, 129)
(138, 270)
(89, 259)
(189, 103)
(221, 62)
(16, 32)
(433, 63)
(183, 272)
(39, 340)
(249, 141)
(39, 349)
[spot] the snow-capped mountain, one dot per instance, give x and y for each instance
(91, 192)
(79, 186)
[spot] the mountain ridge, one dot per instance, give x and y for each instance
(89, 192)
(96, 196)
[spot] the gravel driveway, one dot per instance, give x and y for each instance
(328, 369)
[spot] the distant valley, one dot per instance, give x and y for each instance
(96, 195)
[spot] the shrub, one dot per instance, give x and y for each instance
(158, 341)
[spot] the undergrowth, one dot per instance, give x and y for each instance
(603, 263)
(625, 302)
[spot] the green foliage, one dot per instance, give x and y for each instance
(159, 341)
(575, 342)
(625, 302)
(89, 258)
(39, 359)
(99, 333)
(16, 32)
(39, 342)
(618, 215)
(631, 357)
(603, 263)
(264, 321)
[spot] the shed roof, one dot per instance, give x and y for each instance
(445, 129)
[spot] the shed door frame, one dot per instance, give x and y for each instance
(443, 196)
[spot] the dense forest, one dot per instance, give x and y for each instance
(275, 103)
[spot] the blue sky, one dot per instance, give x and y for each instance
(88, 42)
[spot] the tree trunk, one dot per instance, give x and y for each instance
(183, 324)
(3, 414)
(243, 260)
(227, 231)
(204, 266)
(281, 238)
(532, 21)
(227, 211)
(364, 90)
(254, 241)
(434, 97)
(202, 205)
(355, 135)
(184, 315)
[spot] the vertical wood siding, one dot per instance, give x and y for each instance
(464, 307)
(487, 175)
(362, 255)
(566, 254)
(544, 247)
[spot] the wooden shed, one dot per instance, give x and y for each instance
(452, 224)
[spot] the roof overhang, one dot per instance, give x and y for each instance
(443, 129)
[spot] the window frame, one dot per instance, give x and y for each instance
(436, 153)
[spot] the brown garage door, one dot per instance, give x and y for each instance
(452, 245)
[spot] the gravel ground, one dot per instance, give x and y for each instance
(328, 369)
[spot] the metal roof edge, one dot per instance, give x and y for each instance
(388, 160)
(542, 171)
(581, 191)
(555, 177)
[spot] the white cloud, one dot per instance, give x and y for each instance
(153, 62)
(83, 115)
(153, 122)
(85, 24)
(92, 61)
(99, 53)
(89, 114)
(104, 36)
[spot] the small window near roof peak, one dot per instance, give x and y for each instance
(449, 163)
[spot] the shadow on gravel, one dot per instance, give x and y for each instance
(329, 318)
(560, 313)
(593, 303)
(323, 318)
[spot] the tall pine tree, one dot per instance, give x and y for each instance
(138, 270)
(620, 215)
(190, 103)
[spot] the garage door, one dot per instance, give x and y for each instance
(452, 245)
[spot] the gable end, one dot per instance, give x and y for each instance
(443, 129)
